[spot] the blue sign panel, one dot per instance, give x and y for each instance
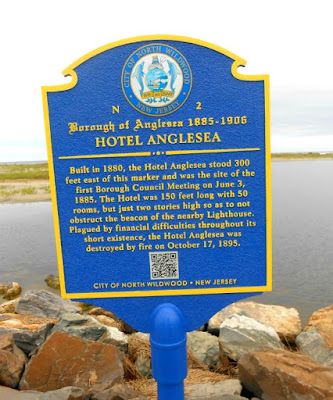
(160, 172)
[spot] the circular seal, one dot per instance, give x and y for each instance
(156, 79)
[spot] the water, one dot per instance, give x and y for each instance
(302, 197)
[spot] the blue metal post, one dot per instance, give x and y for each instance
(168, 351)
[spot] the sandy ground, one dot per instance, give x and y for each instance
(23, 191)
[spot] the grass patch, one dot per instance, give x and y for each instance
(9, 192)
(28, 190)
(24, 171)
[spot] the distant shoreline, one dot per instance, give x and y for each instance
(29, 182)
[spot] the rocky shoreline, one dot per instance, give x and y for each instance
(56, 349)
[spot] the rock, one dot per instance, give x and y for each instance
(65, 360)
(28, 333)
(101, 311)
(141, 336)
(204, 346)
(312, 343)
(322, 320)
(213, 391)
(80, 326)
(143, 366)
(115, 337)
(119, 391)
(6, 342)
(280, 374)
(3, 288)
(86, 327)
(285, 321)
(13, 290)
(11, 368)
(107, 321)
(67, 393)
(10, 394)
(232, 397)
(12, 361)
(241, 334)
(41, 303)
(9, 306)
(53, 281)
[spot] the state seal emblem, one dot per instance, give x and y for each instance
(156, 79)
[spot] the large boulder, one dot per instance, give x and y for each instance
(44, 304)
(213, 391)
(280, 374)
(285, 321)
(65, 360)
(28, 332)
(241, 334)
(204, 346)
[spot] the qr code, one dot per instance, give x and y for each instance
(164, 265)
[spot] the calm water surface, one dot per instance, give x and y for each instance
(302, 205)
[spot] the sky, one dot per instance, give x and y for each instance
(291, 41)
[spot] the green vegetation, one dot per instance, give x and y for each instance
(301, 156)
(28, 190)
(24, 171)
(9, 192)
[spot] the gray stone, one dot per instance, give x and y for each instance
(241, 334)
(143, 365)
(232, 397)
(44, 304)
(28, 339)
(204, 346)
(312, 343)
(80, 326)
(213, 391)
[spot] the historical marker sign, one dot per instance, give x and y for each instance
(160, 172)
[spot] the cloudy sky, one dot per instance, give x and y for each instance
(289, 40)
